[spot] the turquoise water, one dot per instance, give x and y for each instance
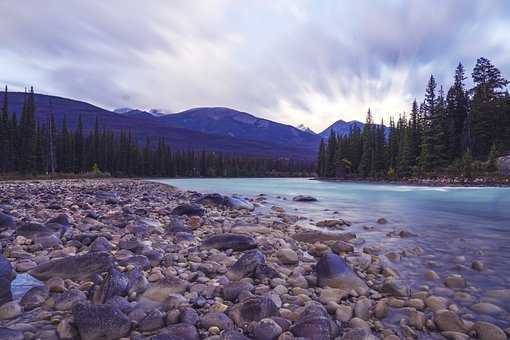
(473, 222)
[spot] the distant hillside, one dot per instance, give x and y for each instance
(343, 128)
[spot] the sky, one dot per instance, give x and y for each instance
(292, 61)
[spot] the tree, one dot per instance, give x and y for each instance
(366, 163)
(456, 114)
(427, 142)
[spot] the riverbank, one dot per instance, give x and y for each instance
(148, 262)
(430, 182)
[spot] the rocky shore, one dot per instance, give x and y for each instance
(129, 259)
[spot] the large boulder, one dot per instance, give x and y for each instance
(230, 241)
(246, 265)
(78, 267)
(6, 276)
(100, 322)
(314, 323)
(332, 271)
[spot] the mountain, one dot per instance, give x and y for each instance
(241, 125)
(343, 128)
(212, 129)
(304, 128)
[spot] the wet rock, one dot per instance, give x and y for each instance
(455, 282)
(246, 265)
(34, 297)
(304, 198)
(115, 284)
(230, 241)
(332, 271)
(220, 320)
(161, 290)
(78, 267)
(486, 308)
(287, 257)
(447, 320)
(312, 236)
(190, 209)
(478, 266)
(314, 323)
(488, 331)
(6, 276)
(10, 334)
(252, 309)
(267, 329)
(10, 310)
(436, 303)
(178, 332)
(103, 322)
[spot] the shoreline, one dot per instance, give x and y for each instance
(141, 254)
(426, 182)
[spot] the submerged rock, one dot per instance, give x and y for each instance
(304, 198)
(78, 267)
(332, 271)
(230, 241)
(103, 322)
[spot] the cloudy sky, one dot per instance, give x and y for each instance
(294, 61)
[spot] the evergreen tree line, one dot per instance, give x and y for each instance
(461, 133)
(31, 147)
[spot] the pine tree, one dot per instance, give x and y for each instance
(456, 113)
(331, 154)
(366, 163)
(321, 161)
(427, 143)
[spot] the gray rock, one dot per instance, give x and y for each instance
(304, 198)
(232, 290)
(10, 334)
(267, 329)
(447, 320)
(230, 241)
(152, 321)
(80, 267)
(115, 284)
(6, 277)
(314, 323)
(100, 322)
(332, 271)
(252, 309)
(35, 297)
(178, 331)
(489, 331)
(220, 320)
(246, 265)
(100, 244)
(189, 315)
(190, 209)
(138, 283)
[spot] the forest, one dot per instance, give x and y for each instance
(31, 147)
(458, 134)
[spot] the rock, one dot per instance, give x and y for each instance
(267, 329)
(37, 231)
(100, 322)
(215, 199)
(362, 308)
(332, 271)
(287, 257)
(69, 299)
(478, 266)
(190, 209)
(78, 267)
(176, 225)
(233, 335)
(56, 285)
(6, 276)
(115, 284)
(152, 321)
(344, 313)
(162, 289)
(431, 275)
(417, 320)
(239, 204)
(100, 244)
(189, 315)
(25, 265)
(489, 331)
(359, 334)
(395, 288)
(381, 309)
(382, 220)
(447, 320)
(66, 331)
(304, 198)
(220, 320)
(252, 309)
(340, 247)
(6, 221)
(332, 294)
(486, 308)
(455, 282)
(314, 323)
(436, 303)
(35, 297)
(179, 331)
(230, 241)
(246, 265)
(10, 310)
(10, 334)
(312, 236)
(232, 290)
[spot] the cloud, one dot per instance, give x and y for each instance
(299, 61)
